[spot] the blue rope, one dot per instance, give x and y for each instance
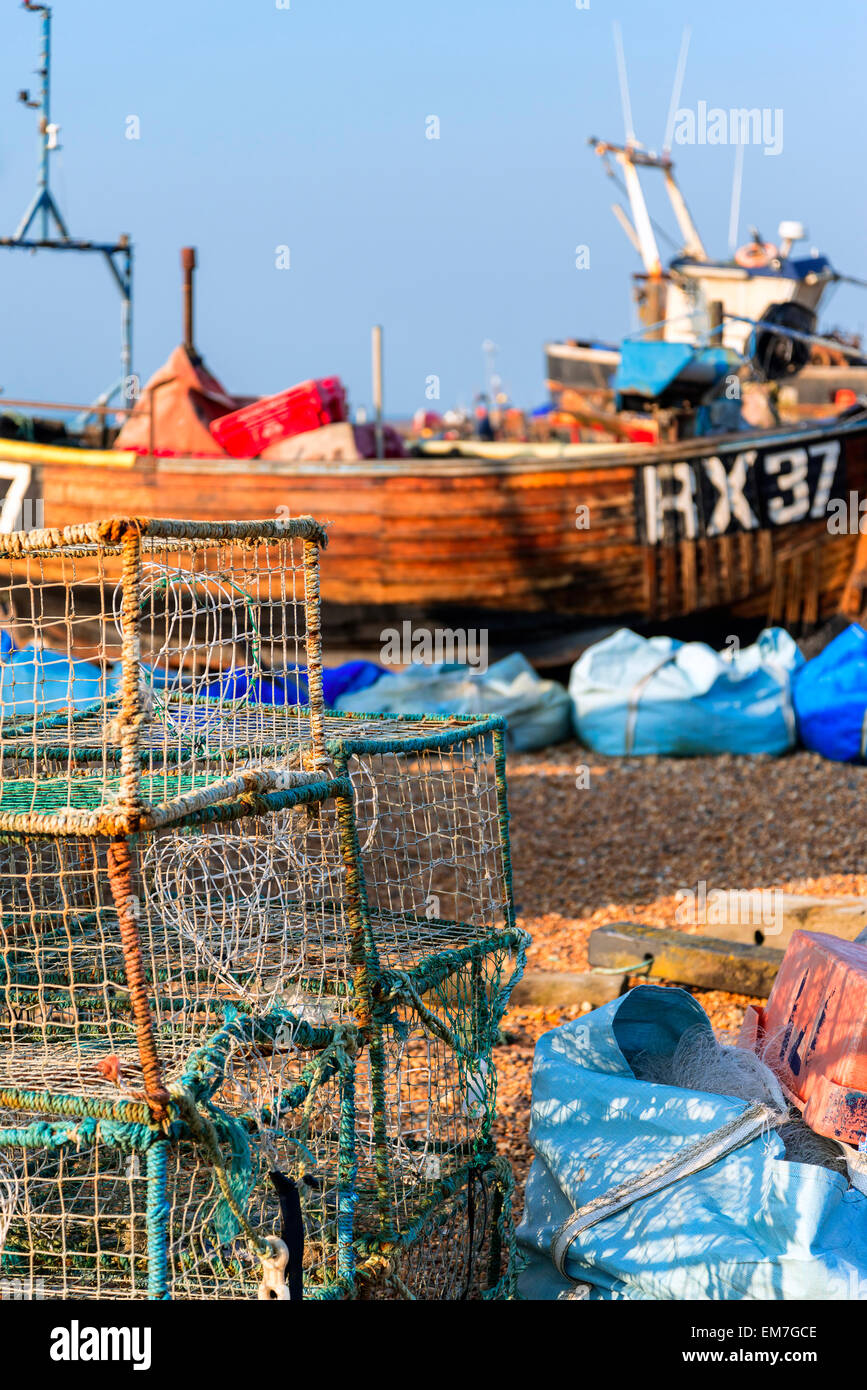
(158, 1211)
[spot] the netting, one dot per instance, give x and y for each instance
(148, 664)
(253, 955)
(429, 798)
(10, 1188)
(114, 1210)
(461, 1249)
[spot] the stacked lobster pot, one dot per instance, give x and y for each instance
(253, 955)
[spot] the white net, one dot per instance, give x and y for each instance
(10, 1195)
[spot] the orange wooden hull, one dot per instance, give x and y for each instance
(510, 536)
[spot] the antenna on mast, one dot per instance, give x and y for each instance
(118, 255)
(628, 128)
(692, 242)
(43, 199)
(737, 185)
(680, 73)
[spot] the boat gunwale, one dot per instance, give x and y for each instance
(435, 465)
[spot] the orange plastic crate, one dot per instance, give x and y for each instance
(813, 1032)
(245, 433)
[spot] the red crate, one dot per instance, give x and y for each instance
(309, 406)
(813, 1032)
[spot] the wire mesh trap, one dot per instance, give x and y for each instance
(432, 815)
(425, 1089)
(270, 1110)
(117, 960)
(253, 954)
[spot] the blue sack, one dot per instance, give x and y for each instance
(634, 695)
(289, 687)
(749, 1225)
(43, 682)
(830, 696)
(537, 711)
(349, 679)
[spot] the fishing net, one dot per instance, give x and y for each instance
(700, 1063)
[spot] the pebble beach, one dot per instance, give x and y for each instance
(598, 840)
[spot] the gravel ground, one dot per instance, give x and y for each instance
(644, 828)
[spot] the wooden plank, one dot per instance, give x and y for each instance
(669, 589)
(559, 988)
(794, 594)
(707, 571)
(812, 562)
(844, 918)
(651, 590)
(726, 568)
(765, 564)
(690, 960)
(689, 578)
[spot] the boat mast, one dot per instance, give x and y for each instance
(692, 242)
(631, 156)
(631, 159)
(118, 255)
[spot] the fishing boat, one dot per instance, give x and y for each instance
(711, 518)
(521, 539)
(525, 540)
(759, 288)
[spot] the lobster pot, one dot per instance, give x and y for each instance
(109, 1208)
(146, 661)
(426, 1083)
(239, 904)
(430, 803)
(292, 1146)
(462, 1249)
(253, 956)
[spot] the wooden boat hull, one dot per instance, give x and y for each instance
(634, 533)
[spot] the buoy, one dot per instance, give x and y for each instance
(756, 254)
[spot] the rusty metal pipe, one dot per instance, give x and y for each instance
(188, 265)
(64, 405)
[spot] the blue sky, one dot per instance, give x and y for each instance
(262, 127)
